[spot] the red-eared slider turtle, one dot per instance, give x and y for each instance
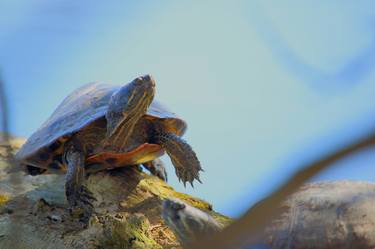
(100, 127)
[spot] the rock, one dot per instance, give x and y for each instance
(188, 223)
(326, 215)
(34, 214)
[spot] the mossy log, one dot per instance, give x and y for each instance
(34, 211)
(34, 214)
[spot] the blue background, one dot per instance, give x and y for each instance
(264, 85)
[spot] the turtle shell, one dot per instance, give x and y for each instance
(82, 107)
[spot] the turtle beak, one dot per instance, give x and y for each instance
(128, 104)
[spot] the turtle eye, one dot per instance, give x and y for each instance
(147, 77)
(139, 80)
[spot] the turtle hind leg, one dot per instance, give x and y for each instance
(157, 168)
(183, 157)
(78, 196)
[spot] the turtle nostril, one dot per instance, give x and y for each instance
(145, 80)
(139, 80)
(148, 78)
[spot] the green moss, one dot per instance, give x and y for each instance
(221, 219)
(131, 233)
(198, 203)
(3, 199)
(161, 189)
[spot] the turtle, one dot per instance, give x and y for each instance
(187, 222)
(100, 127)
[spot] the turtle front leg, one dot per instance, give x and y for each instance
(157, 168)
(183, 157)
(78, 196)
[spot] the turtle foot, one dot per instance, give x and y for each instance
(157, 168)
(81, 205)
(182, 156)
(161, 173)
(188, 173)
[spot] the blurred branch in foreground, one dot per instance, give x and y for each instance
(4, 129)
(248, 229)
(4, 114)
(5, 142)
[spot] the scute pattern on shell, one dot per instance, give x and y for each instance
(83, 106)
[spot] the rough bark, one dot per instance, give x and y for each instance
(34, 214)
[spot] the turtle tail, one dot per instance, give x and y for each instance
(183, 157)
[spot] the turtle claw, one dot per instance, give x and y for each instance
(189, 171)
(157, 168)
(161, 174)
(87, 193)
(81, 204)
(198, 179)
(187, 176)
(183, 157)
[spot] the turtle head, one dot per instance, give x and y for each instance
(127, 105)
